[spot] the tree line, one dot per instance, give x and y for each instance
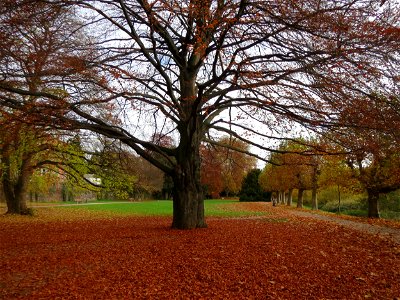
(371, 166)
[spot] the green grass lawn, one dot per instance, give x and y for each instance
(215, 208)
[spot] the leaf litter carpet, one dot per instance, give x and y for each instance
(275, 256)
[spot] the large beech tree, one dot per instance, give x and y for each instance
(193, 67)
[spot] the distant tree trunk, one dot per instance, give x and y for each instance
(314, 199)
(64, 193)
(373, 203)
(290, 197)
(274, 198)
(284, 197)
(314, 190)
(300, 198)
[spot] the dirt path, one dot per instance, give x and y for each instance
(385, 232)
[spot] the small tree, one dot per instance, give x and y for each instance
(211, 172)
(335, 173)
(223, 168)
(251, 189)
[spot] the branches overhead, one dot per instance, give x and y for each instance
(270, 63)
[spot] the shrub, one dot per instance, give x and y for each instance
(346, 204)
(390, 202)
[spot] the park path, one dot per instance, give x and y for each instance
(382, 231)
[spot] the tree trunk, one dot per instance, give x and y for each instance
(315, 174)
(274, 198)
(373, 203)
(314, 199)
(16, 205)
(188, 199)
(290, 197)
(14, 190)
(300, 198)
(188, 203)
(14, 194)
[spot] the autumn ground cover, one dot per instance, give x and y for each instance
(272, 254)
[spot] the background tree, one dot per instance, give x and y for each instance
(161, 182)
(371, 141)
(223, 168)
(295, 166)
(336, 174)
(211, 172)
(196, 67)
(20, 149)
(235, 164)
(251, 189)
(276, 180)
(25, 149)
(125, 175)
(37, 53)
(117, 174)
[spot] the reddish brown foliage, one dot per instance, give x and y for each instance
(211, 170)
(277, 257)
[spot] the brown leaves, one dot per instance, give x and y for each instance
(142, 258)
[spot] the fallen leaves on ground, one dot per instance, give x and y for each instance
(238, 258)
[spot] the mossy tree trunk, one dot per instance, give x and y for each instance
(14, 188)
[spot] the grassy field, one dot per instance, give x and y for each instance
(213, 208)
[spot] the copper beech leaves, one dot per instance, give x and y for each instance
(274, 256)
